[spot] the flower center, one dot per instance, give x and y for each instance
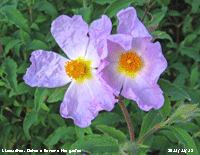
(79, 69)
(130, 63)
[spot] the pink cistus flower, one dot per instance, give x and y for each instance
(134, 62)
(87, 93)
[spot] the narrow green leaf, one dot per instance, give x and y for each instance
(171, 89)
(25, 37)
(102, 2)
(85, 12)
(163, 35)
(194, 77)
(150, 120)
(194, 94)
(79, 132)
(112, 132)
(106, 118)
(174, 13)
(21, 89)
(166, 108)
(30, 118)
(47, 7)
(40, 95)
(15, 17)
(195, 6)
(191, 52)
(58, 134)
(11, 71)
(38, 45)
(185, 139)
(57, 94)
(40, 18)
(57, 119)
(96, 144)
(116, 6)
(11, 45)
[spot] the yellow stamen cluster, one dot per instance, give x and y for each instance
(130, 63)
(79, 69)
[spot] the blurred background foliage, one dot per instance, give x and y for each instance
(29, 117)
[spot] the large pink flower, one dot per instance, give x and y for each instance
(134, 62)
(87, 93)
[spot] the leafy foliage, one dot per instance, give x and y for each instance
(29, 117)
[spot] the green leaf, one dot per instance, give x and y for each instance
(191, 52)
(158, 17)
(174, 13)
(40, 95)
(169, 134)
(30, 118)
(161, 35)
(116, 6)
(150, 120)
(40, 18)
(80, 132)
(21, 89)
(102, 2)
(57, 94)
(15, 17)
(171, 89)
(58, 134)
(22, 68)
(25, 37)
(185, 112)
(47, 7)
(38, 45)
(185, 139)
(189, 38)
(11, 44)
(194, 94)
(96, 144)
(187, 23)
(106, 118)
(85, 12)
(195, 6)
(57, 119)
(11, 71)
(112, 132)
(194, 77)
(166, 108)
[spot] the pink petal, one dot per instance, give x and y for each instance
(47, 70)
(71, 35)
(112, 77)
(156, 62)
(118, 44)
(82, 102)
(153, 59)
(146, 94)
(99, 30)
(130, 24)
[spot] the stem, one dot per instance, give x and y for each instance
(128, 120)
(31, 14)
(1, 50)
(147, 9)
(84, 3)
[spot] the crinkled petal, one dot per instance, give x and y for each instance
(118, 44)
(47, 70)
(99, 30)
(71, 35)
(155, 61)
(146, 94)
(82, 102)
(130, 24)
(111, 75)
